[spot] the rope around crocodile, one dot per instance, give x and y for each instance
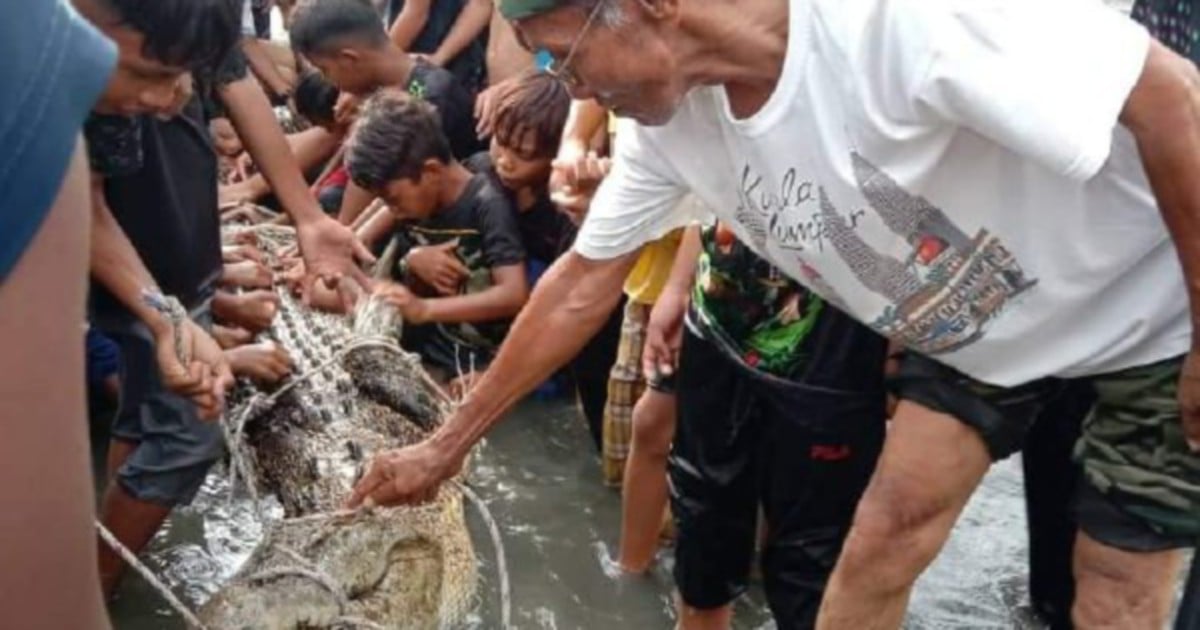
(238, 452)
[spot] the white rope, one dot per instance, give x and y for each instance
(234, 435)
(501, 561)
(149, 576)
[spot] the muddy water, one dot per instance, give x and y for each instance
(540, 476)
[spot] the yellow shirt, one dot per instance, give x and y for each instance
(653, 268)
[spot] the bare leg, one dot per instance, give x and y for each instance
(133, 522)
(49, 577)
(931, 464)
(644, 496)
(1122, 589)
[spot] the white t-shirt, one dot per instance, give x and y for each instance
(949, 172)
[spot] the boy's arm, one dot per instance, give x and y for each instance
(474, 17)
(376, 228)
(354, 201)
(409, 23)
(329, 248)
(201, 373)
(504, 299)
(264, 68)
(309, 147)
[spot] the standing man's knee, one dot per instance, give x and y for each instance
(1116, 588)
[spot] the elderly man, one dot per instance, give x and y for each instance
(1008, 207)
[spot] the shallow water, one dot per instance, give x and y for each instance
(540, 477)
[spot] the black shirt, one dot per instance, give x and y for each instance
(453, 102)
(484, 223)
(468, 66)
(546, 233)
(160, 181)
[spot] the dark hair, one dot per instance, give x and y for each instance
(393, 138)
(315, 98)
(318, 26)
(194, 34)
(531, 102)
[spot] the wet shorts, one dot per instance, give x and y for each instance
(175, 449)
(1144, 483)
(745, 440)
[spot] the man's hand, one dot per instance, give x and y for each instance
(664, 335)
(201, 374)
(1189, 399)
(331, 253)
(413, 309)
(236, 194)
(406, 476)
(438, 266)
(485, 111)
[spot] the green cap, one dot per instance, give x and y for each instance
(521, 9)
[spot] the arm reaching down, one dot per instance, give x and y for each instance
(1163, 112)
(330, 250)
(571, 302)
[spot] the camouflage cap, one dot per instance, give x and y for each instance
(520, 9)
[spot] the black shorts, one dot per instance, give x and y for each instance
(1138, 493)
(745, 440)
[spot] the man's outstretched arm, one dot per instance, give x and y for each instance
(568, 306)
(1163, 112)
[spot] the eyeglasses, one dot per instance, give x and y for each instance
(562, 70)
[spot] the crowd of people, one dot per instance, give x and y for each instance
(808, 268)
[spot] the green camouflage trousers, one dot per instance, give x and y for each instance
(1133, 450)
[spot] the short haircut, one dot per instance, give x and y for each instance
(193, 34)
(315, 98)
(532, 102)
(320, 26)
(394, 136)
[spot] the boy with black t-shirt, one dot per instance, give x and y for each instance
(398, 152)
(345, 40)
(527, 126)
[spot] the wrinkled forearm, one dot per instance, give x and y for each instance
(568, 306)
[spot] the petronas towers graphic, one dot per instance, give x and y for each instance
(948, 287)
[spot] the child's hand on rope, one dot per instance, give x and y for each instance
(246, 274)
(253, 310)
(412, 308)
(266, 362)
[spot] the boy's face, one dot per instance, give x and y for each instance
(518, 167)
(346, 69)
(139, 84)
(414, 199)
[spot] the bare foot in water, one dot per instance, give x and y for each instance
(266, 362)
